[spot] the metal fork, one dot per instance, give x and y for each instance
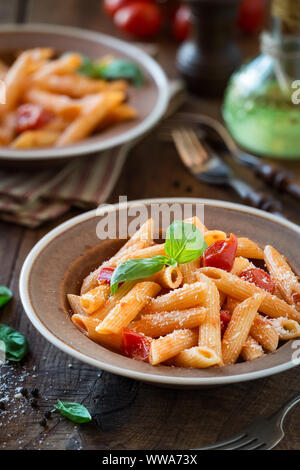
(261, 434)
(209, 168)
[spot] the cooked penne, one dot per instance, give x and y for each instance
(213, 236)
(95, 298)
(163, 323)
(88, 326)
(170, 277)
(60, 105)
(97, 108)
(286, 328)
(67, 63)
(249, 249)
(241, 264)
(169, 346)
(188, 271)
(198, 357)
(241, 290)
(251, 350)
(128, 308)
(190, 295)
(75, 304)
(113, 300)
(286, 281)
(38, 138)
(239, 327)
(210, 329)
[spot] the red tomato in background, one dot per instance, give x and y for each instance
(260, 278)
(135, 345)
(182, 23)
(251, 15)
(139, 19)
(32, 116)
(112, 6)
(225, 319)
(221, 254)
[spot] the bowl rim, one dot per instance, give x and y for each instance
(141, 57)
(146, 377)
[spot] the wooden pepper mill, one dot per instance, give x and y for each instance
(207, 60)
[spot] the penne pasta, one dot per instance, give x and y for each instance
(239, 327)
(169, 277)
(249, 249)
(213, 236)
(241, 264)
(95, 298)
(113, 300)
(68, 63)
(210, 328)
(286, 328)
(60, 105)
(198, 357)
(286, 281)
(241, 290)
(251, 350)
(190, 295)
(38, 138)
(169, 346)
(163, 323)
(88, 326)
(128, 308)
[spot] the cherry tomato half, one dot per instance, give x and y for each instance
(225, 319)
(251, 15)
(135, 345)
(112, 6)
(105, 274)
(182, 23)
(221, 254)
(139, 19)
(260, 278)
(32, 116)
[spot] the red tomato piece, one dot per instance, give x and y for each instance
(139, 19)
(182, 23)
(251, 15)
(105, 274)
(260, 278)
(221, 254)
(32, 116)
(112, 6)
(135, 345)
(225, 319)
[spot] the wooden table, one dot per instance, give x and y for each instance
(128, 414)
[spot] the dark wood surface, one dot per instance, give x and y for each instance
(128, 414)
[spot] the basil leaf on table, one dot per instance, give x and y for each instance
(138, 269)
(16, 345)
(73, 411)
(184, 242)
(5, 295)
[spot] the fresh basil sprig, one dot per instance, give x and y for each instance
(113, 70)
(16, 345)
(5, 295)
(74, 412)
(184, 243)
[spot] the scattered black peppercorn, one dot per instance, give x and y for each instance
(35, 392)
(189, 189)
(34, 403)
(24, 392)
(176, 184)
(47, 414)
(43, 422)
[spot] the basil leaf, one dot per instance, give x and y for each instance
(73, 411)
(5, 295)
(138, 269)
(16, 345)
(88, 67)
(121, 68)
(184, 242)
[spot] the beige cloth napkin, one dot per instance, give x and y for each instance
(31, 198)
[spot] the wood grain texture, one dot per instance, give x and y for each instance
(127, 414)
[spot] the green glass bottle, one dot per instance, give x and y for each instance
(262, 101)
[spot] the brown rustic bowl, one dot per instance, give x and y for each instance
(59, 262)
(150, 100)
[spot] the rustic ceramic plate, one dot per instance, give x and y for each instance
(59, 262)
(150, 100)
